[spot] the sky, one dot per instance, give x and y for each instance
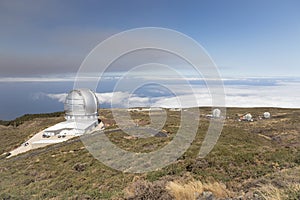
(244, 38)
(254, 44)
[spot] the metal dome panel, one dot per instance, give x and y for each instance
(81, 102)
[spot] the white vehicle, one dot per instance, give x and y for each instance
(62, 134)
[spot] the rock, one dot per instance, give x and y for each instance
(239, 197)
(206, 195)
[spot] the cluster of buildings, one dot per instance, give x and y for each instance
(248, 117)
(81, 114)
(216, 114)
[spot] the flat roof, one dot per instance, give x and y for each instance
(82, 125)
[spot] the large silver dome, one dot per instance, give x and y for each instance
(82, 103)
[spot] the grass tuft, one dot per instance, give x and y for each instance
(193, 189)
(290, 191)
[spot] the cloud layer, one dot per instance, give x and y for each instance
(282, 94)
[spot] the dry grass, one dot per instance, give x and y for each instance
(270, 192)
(192, 189)
(187, 191)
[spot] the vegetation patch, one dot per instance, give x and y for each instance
(242, 163)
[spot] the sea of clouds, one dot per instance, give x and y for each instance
(244, 92)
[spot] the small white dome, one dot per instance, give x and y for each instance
(248, 117)
(216, 113)
(267, 115)
(81, 103)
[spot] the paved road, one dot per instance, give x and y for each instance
(51, 147)
(39, 151)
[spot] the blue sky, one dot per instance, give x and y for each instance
(255, 44)
(244, 38)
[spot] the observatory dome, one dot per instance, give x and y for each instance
(267, 115)
(216, 113)
(248, 117)
(81, 103)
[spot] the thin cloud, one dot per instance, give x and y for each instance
(59, 97)
(273, 96)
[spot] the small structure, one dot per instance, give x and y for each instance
(216, 113)
(267, 115)
(247, 117)
(134, 109)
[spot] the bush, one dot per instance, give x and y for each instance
(146, 190)
(79, 167)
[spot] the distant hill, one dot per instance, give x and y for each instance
(27, 117)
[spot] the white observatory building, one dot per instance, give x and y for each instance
(81, 109)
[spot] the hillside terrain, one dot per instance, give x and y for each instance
(251, 160)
